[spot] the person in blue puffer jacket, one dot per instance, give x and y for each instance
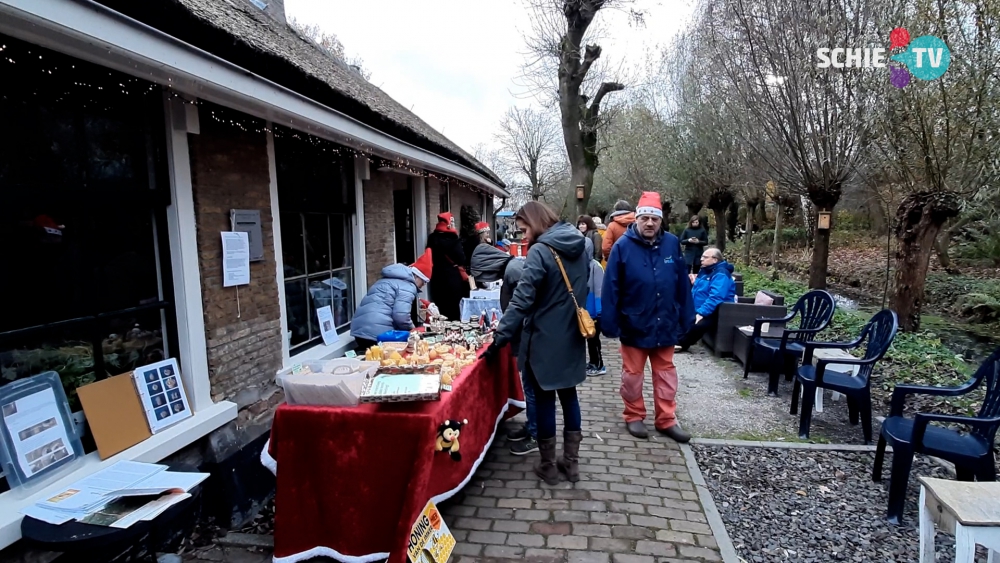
(646, 303)
(713, 286)
(391, 302)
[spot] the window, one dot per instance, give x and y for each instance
(315, 207)
(445, 196)
(86, 289)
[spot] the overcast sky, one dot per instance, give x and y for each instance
(455, 62)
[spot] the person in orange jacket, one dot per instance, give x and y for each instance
(618, 223)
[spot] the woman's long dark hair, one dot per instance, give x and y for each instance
(538, 216)
(589, 221)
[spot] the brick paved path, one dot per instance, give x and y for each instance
(635, 502)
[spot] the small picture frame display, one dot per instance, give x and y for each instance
(162, 393)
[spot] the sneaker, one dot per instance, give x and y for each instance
(518, 435)
(524, 447)
(601, 370)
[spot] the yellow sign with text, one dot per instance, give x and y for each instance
(430, 539)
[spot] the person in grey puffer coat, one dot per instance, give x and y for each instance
(390, 303)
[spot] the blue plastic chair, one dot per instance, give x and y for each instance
(815, 311)
(877, 336)
(972, 452)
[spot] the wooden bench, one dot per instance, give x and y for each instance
(970, 510)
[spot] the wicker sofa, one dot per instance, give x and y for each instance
(741, 313)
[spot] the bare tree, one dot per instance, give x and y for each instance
(939, 139)
(560, 46)
(808, 125)
(529, 150)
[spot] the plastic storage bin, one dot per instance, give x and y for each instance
(334, 383)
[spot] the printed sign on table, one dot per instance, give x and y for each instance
(430, 539)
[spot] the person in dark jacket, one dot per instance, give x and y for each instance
(553, 352)
(391, 303)
(694, 238)
(713, 286)
(595, 284)
(490, 264)
(449, 285)
(586, 225)
(647, 305)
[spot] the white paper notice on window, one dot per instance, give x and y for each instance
(326, 325)
(235, 258)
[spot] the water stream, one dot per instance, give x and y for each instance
(971, 345)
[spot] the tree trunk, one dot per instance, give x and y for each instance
(919, 219)
(808, 222)
(720, 228)
(733, 219)
(748, 237)
(694, 207)
(943, 242)
(776, 247)
(820, 257)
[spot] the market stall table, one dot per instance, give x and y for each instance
(352, 480)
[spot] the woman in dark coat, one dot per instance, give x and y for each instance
(586, 225)
(448, 287)
(553, 352)
(693, 239)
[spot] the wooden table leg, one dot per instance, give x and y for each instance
(965, 544)
(927, 530)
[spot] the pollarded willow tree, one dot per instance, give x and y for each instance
(808, 125)
(563, 49)
(939, 139)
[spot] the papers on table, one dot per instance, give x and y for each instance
(108, 497)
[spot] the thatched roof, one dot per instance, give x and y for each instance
(240, 33)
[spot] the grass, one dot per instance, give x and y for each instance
(745, 393)
(918, 358)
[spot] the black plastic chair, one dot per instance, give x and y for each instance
(815, 310)
(877, 336)
(972, 452)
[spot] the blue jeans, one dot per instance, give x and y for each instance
(529, 409)
(545, 408)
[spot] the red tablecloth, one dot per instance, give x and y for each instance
(353, 480)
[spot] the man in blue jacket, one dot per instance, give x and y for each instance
(713, 286)
(646, 303)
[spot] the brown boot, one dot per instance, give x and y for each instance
(546, 467)
(570, 462)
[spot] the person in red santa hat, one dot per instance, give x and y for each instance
(391, 303)
(450, 278)
(646, 303)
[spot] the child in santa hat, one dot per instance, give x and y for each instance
(391, 303)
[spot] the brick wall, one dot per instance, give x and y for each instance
(229, 169)
(463, 196)
(380, 248)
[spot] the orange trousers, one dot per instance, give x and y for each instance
(664, 384)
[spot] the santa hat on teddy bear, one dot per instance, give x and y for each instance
(649, 204)
(423, 266)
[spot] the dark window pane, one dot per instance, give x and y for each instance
(292, 248)
(297, 311)
(340, 239)
(317, 243)
(342, 297)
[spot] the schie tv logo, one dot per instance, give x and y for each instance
(926, 57)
